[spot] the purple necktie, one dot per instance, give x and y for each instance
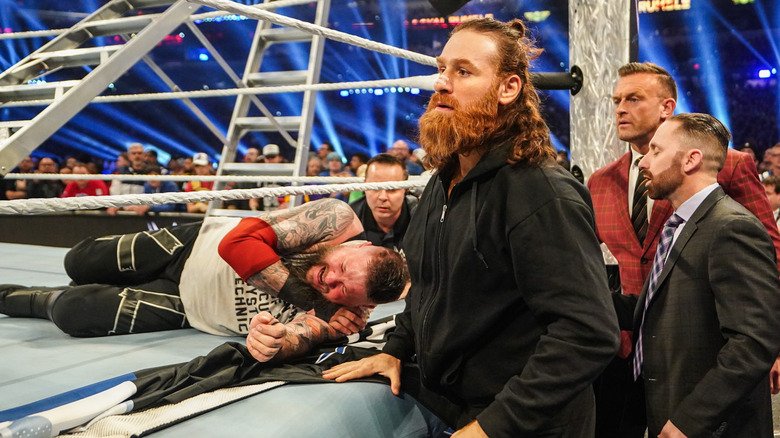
(658, 265)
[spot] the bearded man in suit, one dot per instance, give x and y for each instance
(706, 325)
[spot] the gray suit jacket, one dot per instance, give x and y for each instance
(712, 330)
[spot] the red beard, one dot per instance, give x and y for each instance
(666, 182)
(460, 131)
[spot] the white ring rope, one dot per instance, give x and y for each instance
(239, 178)
(247, 11)
(424, 82)
(145, 17)
(47, 205)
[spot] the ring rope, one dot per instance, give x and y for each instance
(48, 205)
(239, 178)
(205, 15)
(247, 11)
(424, 82)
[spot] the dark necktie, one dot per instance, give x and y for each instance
(658, 265)
(639, 209)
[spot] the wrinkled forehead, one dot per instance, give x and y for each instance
(355, 249)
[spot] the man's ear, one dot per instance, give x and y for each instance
(692, 160)
(509, 89)
(667, 108)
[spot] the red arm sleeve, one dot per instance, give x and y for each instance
(250, 247)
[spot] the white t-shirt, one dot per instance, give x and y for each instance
(216, 300)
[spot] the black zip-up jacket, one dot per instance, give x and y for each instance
(509, 313)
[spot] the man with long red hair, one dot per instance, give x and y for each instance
(509, 315)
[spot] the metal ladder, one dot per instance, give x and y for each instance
(241, 123)
(72, 49)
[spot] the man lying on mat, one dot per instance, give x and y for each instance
(216, 275)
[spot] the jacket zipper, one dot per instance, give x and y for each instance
(431, 299)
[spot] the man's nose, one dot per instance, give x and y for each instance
(442, 84)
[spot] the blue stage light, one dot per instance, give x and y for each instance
(764, 73)
(378, 92)
(344, 93)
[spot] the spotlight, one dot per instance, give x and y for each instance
(763, 73)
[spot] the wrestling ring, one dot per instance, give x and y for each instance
(42, 367)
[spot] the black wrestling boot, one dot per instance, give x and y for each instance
(30, 302)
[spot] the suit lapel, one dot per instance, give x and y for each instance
(689, 229)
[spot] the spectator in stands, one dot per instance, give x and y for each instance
(251, 155)
(418, 156)
(93, 168)
(187, 166)
(65, 171)
(272, 154)
(336, 169)
(84, 187)
(314, 166)
(357, 164)
(122, 160)
(772, 188)
(157, 186)
(71, 162)
(325, 149)
(152, 159)
(644, 97)
(201, 165)
(748, 149)
(401, 150)
(772, 160)
(334, 165)
(17, 188)
(385, 214)
(45, 188)
(137, 166)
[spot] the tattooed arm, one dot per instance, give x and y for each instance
(254, 246)
(270, 340)
(313, 225)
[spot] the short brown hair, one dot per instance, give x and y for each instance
(664, 78)
(707, 133)
(388, 160)
(387, 277)
(772, 181)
